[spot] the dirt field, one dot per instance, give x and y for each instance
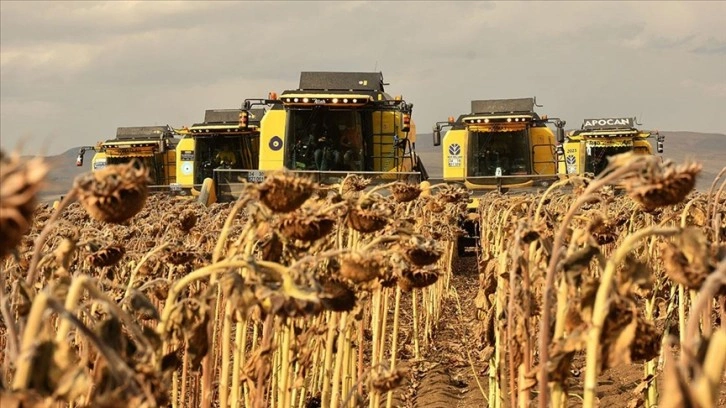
(445, 377)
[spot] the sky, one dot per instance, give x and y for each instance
(72, 72)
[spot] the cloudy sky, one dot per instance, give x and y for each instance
(71, 73)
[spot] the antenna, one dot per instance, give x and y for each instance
(636, 119)
(535, 103)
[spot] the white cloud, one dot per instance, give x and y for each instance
(111, 64)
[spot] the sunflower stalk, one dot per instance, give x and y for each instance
(610, 175)
(600, 308)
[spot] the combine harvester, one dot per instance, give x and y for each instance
(335, 124)
(153, 146)
(227, 140)
(586, 151)
(502, 144)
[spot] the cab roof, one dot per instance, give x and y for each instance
(144, 132)
(342, 81)
(503, 106)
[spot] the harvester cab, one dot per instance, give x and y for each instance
(586, 151)
(227, 141)
(152, 146)
(338, 123)
(502, 144)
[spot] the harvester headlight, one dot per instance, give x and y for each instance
(335, 100)
(306, 100)
(288, 100)
(355, 100)
(345, 100)
(486, 120)
(478, 121)
(509, 119)
(295, 100)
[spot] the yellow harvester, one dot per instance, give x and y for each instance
(338, 123)
(502, 144)
(585, 151)
(228, 140)
(153, 146)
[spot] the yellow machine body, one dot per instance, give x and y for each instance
(338, 123)
(502, 144)
(227, 139)
(153, 146)
(586, 151)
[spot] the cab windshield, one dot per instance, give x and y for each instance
(325, 139)
(155, 166)
(498, 153)
(225, 152)
(597, 156)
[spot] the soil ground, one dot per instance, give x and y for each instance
(447, 374)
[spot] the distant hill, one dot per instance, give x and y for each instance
(63, 171)
(707, 148)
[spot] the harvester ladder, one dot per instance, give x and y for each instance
(168, 163)
(383, 139)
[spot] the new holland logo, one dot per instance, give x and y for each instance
(454, 155)
(570, 159)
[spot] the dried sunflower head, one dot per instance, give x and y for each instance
(306, 225)
(420, 251)
(417, 278)
(435, 205)
(187, 220)
(686, 260)
(107, 256)
(113, 194)
(180, 256)
(337, 296)
(451, 194)
(368, 218)
(359, 267)
(354, 182)
(283, 192)
(403, 192)
(662, 184)
(19, 183)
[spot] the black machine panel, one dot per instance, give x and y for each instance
(521, 105)
(341, 81)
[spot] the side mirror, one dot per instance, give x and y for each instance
(659, 146)
(560, 135)
(79, 159)
(437, 135)
(406, 121)
(560, 150)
